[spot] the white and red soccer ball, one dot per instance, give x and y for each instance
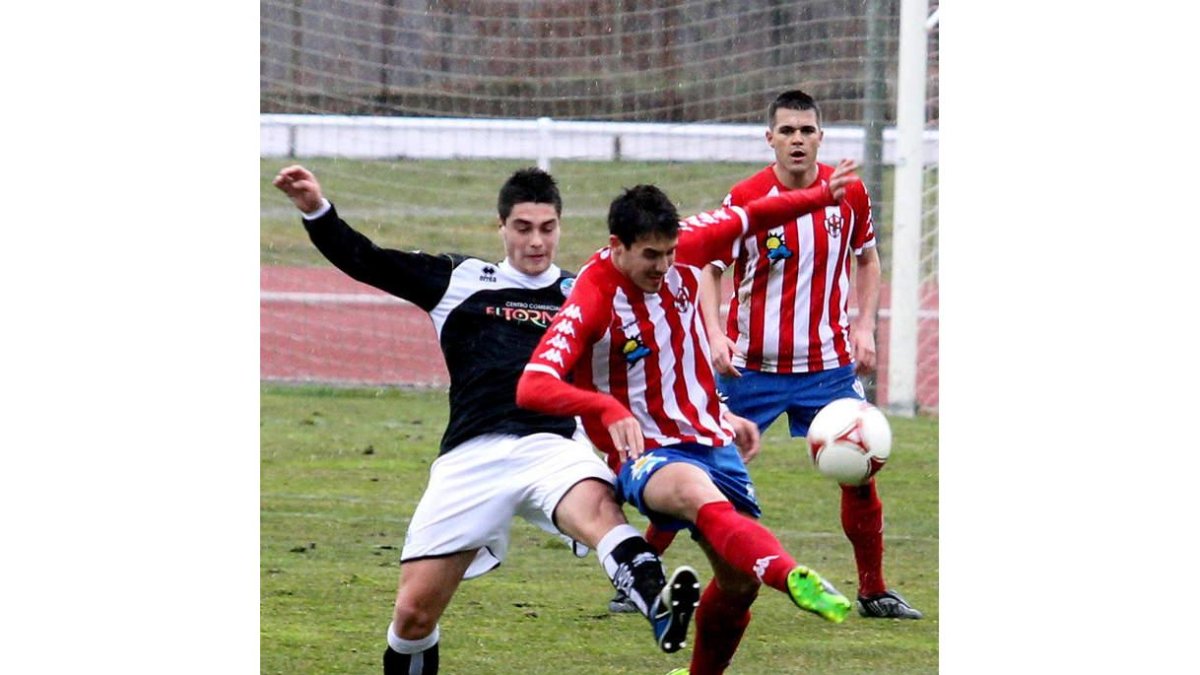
(849, 441)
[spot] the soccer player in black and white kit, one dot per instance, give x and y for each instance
(496, 460)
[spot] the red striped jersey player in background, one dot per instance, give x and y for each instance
(791, 344)
(628, 353)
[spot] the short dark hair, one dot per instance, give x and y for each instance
(528, 185)
(793, 99)
(640, 211)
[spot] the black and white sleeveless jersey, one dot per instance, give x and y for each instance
(488, 316)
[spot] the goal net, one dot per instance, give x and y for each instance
(412, 112)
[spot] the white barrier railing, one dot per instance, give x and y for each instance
(545, 139)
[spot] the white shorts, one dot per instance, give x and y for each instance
(477, 488)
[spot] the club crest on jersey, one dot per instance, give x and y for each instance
(635, 350)
(566, 285)
(833, 224)
(776, 248)
(683, 300)
(488, 273)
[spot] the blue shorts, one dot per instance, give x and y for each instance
(763, 397)
(723, 465)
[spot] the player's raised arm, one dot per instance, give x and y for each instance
(710, 236)
(417, 277)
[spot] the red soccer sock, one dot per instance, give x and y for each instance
(862, 520)
(745, 544)
(721, 620)
(658, 539)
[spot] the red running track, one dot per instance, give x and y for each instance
(317, 325)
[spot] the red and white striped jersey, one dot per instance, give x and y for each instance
(788, 313)
(649, 351)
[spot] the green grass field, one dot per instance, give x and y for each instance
(450, 205)
(342, 471)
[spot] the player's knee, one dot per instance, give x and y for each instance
(413, 623)
(589, 511)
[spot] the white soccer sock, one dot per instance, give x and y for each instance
(621, 575)
(609, 541)
(402, 646)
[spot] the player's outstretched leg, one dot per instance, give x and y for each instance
(673, 609)
(813, 594)
(749, 547)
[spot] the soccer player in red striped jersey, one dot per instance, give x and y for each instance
(496, 461)
(792, 346)
(629, 354)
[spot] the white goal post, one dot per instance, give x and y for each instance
(909, 211)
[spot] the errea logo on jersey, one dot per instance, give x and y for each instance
(488, 273)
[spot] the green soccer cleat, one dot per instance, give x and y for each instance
(813, 594)
(679, 671)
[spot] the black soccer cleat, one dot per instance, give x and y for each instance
(887, 605)
(672, 611)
